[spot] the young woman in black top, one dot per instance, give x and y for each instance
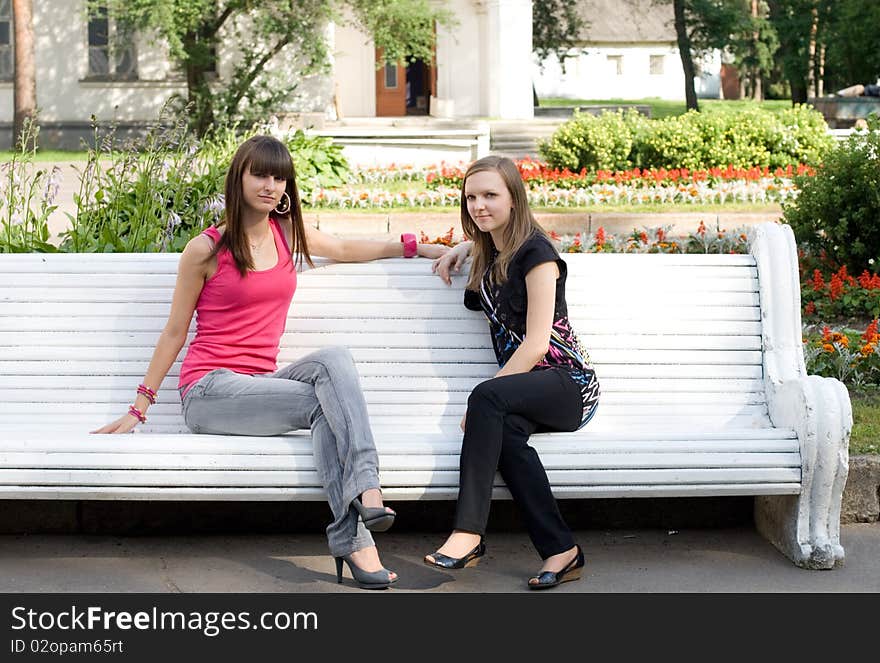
(545, 382)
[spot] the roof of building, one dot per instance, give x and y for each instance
(626, 21)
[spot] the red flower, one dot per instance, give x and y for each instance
(818, 282)
(600, 236)
(871, 334)
(836, 287)
(810, 308)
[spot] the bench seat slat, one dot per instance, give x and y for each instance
(397, 371)
(279, 494)
(424, 411)
(300, 444)
(135, 477)
(170, 397)
(250, 462)
(125, 383)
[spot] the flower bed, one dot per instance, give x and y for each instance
(550, 187)
(847, 355)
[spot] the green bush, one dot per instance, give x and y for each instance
(595, 142)
(743, 138)
(838, 210)
(157, 193)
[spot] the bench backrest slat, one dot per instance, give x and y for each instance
(671, 337)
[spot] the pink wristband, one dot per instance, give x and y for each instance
(410, 246)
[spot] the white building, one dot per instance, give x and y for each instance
(477, 72)
(627, 50)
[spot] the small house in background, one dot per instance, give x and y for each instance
(627, 50)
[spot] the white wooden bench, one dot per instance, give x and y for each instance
(705, 392)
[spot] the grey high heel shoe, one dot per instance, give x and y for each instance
(376, 518)
(380, 579)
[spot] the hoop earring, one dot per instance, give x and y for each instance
(286, 209)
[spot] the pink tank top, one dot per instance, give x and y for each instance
(239, 321)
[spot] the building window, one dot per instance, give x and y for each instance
(657, 62)
(616, 62)
(111, 48)
(390, 76)
(6, 68)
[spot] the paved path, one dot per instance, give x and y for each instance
(701, 560)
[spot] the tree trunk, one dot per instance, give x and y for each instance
(811, 51)
(684, 50)
(25, 86)
(198, 90)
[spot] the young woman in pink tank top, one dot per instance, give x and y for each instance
(240, 278)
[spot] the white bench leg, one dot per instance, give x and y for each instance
(806, 527)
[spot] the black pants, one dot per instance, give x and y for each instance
(502, 413)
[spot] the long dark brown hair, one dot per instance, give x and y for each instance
(260, 155)
(522, 222)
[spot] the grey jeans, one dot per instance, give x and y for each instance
(322, 392)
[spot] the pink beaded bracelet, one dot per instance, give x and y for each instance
(149, 393)
(133, 411)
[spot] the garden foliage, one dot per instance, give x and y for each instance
(743, 139)
(838, 211)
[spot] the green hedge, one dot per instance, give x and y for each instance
(837, 212)
(751, 137)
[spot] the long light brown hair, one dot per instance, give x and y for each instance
(521, 226)
(260, 155)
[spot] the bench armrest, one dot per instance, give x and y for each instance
(818, 409)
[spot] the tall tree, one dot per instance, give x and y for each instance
(702, 26)
(556, 27)
(262, 34)
(753, 47)
(25, 76)
(793, 22)
(685, 51)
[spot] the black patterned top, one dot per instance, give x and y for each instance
(506, 307)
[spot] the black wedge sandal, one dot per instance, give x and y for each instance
(548, 579)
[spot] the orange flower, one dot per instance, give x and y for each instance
(701, 230)
(828, 347)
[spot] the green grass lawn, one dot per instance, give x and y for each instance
(664, 108)
(60, 156)
(866, 422)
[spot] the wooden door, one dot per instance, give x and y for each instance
(390, 89)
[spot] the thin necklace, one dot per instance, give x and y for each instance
(256, 247)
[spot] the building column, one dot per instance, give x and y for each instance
(507, 64)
